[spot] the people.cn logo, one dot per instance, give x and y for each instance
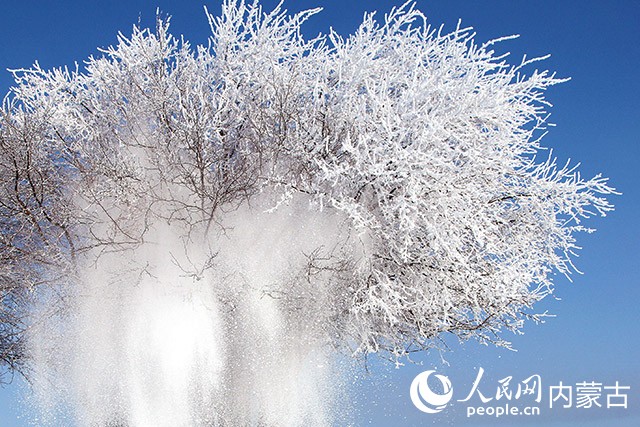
(424, 398)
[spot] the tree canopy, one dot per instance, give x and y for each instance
(426, 145)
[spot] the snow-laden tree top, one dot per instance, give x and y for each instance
(427, 145)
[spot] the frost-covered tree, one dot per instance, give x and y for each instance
(426, 145)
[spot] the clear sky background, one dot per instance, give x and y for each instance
(594, 336)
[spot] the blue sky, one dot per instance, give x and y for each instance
(594, 335)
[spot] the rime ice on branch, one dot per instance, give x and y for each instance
(426, 143)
